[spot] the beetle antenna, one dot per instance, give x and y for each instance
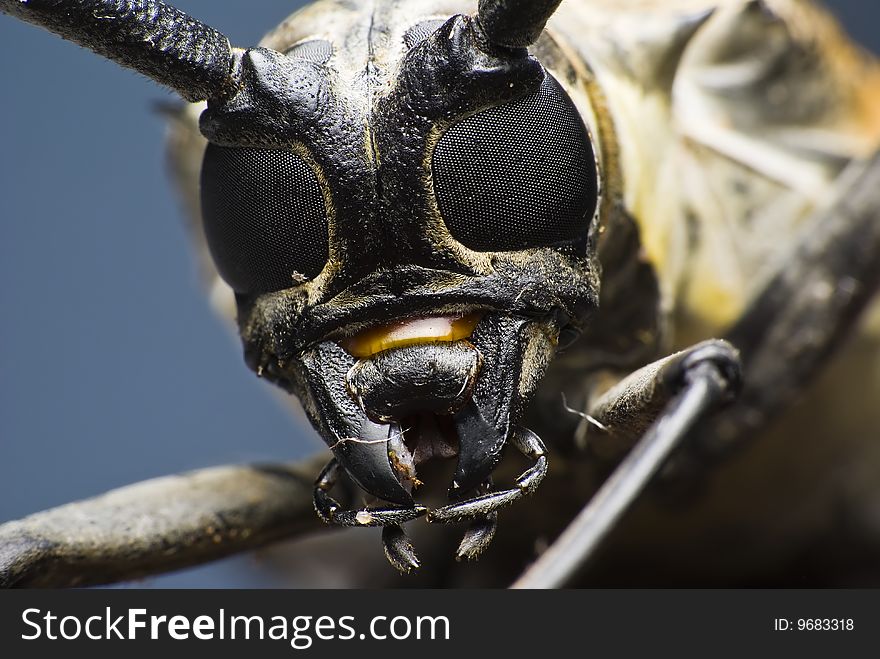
(514, 23)
(148, 36)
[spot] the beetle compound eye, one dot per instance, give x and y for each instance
(518, 175)
(264, 216)
(317, 51)
(421, 31)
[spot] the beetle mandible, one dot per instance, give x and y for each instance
(407, 262)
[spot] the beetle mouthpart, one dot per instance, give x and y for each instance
(485, 422)
(479, 386)
(436, 378)
(480, 442)
(414, 331)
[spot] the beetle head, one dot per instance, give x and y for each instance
(406, 251)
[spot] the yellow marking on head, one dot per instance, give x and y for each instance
(414, 331)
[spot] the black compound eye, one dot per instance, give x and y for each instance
(264, 216)
(518, 175)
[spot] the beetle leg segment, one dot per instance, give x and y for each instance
(626, 411)
(699, 380)
(532, 447)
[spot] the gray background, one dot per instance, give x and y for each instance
(112, 367)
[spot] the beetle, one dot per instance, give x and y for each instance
(277, 366)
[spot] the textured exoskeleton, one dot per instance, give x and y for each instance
(721, 128)
(450, 231)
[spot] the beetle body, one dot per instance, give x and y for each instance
(708, 160)
(716, 141)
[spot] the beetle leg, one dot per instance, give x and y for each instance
(698, 380)
(329, 509)
(532, 447)
(625, 412)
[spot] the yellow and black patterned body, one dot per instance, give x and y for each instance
(733, 124)
(720, 128)
(449, 231)
(343, 195)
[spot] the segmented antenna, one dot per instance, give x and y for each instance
(515, 23)
(148, 36)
